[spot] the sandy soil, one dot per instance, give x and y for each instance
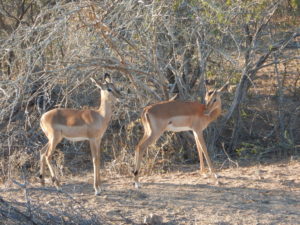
(267, 194)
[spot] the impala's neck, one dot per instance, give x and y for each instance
(214, 114)
(105, 108)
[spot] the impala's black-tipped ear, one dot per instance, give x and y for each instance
(96, 83)
(210, 92)
(209, 82)
(107, 77)
(209, 87)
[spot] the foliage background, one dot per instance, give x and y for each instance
(153, 49)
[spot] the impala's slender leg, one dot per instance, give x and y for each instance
(139, 155)
(95, 149)
(43, 163)
(201, 146)
(149, 138)
(200, 153)
(53, 141)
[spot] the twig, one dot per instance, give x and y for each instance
(228, 158)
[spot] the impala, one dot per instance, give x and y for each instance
(78, 125)
(179, 116)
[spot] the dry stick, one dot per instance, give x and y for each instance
(228, 158)
(293, 124)
(12, 209)
(151, 165)
(26, 195)
(250, 73)
(28, 203)
(58, 192)
(153, 162)
(89, 74)
(121, 65)
(81, 208)
(103, 29)
(280, 100)
(106, 28)
(4, 92)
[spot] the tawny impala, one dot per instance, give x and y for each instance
(179, 116)
(79, 125)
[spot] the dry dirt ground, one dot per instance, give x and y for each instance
(264, 194)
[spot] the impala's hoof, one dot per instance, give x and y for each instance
(137, 185)
(42, 180)
(58, 188)
(215, 175)
(98, 191)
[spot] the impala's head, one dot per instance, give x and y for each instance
(213, 96)
(107, 87)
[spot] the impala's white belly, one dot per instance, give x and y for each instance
(177, 129)
(76, 133)
(179, 123)
(77, 138)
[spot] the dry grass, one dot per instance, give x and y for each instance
(261, 194)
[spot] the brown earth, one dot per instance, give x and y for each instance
(264, 194)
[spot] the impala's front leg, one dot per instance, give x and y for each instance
(200, 153)
(95, 149)
(201, 147)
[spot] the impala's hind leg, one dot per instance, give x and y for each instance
(43, 163)
(148, 139)
(53, 141)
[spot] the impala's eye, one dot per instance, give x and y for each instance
(108, 89)
(214, 100)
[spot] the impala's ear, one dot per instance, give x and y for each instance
(209, 86)
(99, 85)
(210, 82)
(206, 82)
(224, 87)
(107, 77)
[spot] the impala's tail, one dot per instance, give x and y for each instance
(146, 121)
